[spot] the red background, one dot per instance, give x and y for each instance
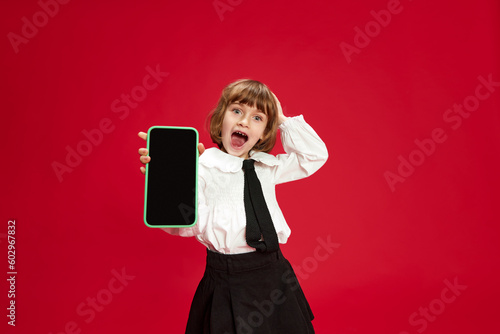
(397, 248)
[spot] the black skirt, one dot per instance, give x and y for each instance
(249, 293)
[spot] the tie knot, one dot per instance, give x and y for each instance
(248, 164)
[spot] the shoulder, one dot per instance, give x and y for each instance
(265, 159)
(215, 158)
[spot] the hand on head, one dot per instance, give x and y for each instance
(281, 116)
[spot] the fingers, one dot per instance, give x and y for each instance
(276, 99)
(143, 152)
(201, 148)
(278, 104)
(144, 158)
(281, 116)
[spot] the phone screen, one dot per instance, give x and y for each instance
(171, 177)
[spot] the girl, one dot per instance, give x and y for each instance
(248, 286)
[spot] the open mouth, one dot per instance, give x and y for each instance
(238, 139)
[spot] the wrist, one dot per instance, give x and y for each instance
(282, 119)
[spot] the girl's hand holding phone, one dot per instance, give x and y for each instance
(145, 158)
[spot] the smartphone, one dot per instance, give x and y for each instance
(170, 198)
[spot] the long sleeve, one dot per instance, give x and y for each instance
(305, 151)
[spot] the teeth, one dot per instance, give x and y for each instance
(241, 133)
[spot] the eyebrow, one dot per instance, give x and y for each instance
(237, 103)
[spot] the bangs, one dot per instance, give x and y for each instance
(253, 94)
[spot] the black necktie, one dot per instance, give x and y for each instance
(259, 222)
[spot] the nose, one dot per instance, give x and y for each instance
(243, 121)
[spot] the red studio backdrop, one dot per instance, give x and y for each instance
(396, 234)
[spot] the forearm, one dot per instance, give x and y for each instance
(305, 151)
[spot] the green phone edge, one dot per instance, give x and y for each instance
(196, 180)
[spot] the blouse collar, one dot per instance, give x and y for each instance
(213, 157)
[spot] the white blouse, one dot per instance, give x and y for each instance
(221, 221)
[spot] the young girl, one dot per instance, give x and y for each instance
(248, 286)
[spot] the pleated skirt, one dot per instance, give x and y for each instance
(250, 293)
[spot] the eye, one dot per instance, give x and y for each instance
(237, 111)
(258, 118)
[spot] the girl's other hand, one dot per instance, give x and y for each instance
(145, 158)
(143, 152)
(281, 116)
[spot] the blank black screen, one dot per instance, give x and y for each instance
(170, 198)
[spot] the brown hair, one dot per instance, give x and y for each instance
(254, 94)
